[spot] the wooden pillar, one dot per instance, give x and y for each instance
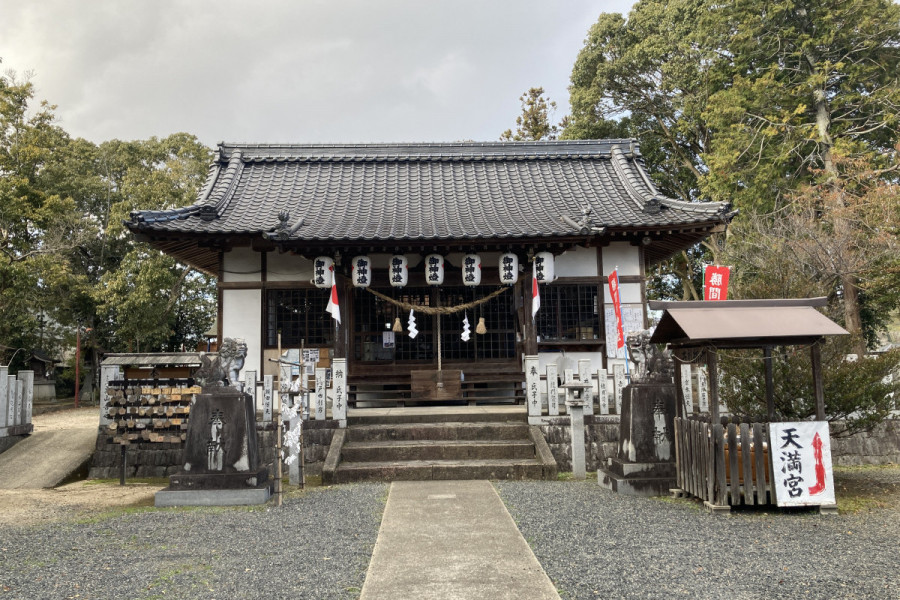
(712, 363)
(818, 385)
(529, 330)
(770, 384)
(342, 331)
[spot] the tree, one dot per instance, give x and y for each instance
(814, 87)
(650, 73)
(858, 394)
(649, 77)
(534, 122)
(62, 242)
(37, 226)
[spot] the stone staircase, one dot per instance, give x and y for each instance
(438, 445)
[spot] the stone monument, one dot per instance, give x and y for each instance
(645, 460)
(220, 464)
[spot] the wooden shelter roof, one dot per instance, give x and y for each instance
(743, 323)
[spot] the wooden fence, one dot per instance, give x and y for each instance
(708, 468)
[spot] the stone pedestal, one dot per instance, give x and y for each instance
(221, 456)
(645, 461)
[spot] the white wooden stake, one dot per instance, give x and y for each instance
(603, 392)
(552, 390)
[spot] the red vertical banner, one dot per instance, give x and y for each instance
(715, 283)
(617, 306)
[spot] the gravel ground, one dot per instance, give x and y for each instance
(315, 546)
(597, 544)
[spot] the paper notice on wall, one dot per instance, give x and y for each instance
(632, 320)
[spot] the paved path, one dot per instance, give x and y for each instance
(61, 442)
(451, 540)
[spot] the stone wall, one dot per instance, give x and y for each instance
(163, 459)
(881, 446)
(601, 437)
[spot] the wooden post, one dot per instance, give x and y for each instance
(532, 392)
(530, 346)
(4, 399)
(770, 384)
(27, 378)
(679, 391)
(687, 389)
(279, 427)
(602, 392)
(712, 363)
(584, 375)
(818, 386)
(320, 395)
(552, 390)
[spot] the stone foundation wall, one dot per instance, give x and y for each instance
(601, 434)
(160, 459)
(881, 446)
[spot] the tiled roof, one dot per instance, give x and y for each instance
(459, 191)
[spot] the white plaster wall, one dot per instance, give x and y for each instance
(288, 267)
(628, 259)
(580, 262)
(622, 255)
(242, 319)
(242, 264)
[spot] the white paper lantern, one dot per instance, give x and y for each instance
(399, 270)
(509, 268)
(471, 270)
(361, 271)
(434, 269)
(543, 267)
(323, 271)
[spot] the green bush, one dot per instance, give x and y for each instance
(858, 394)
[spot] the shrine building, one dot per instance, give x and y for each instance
(455, 232)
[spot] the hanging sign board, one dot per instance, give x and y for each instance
(434, 269)
(323, 271)
(543, 267)
(471, 270)
(509, 268)
(801, 459)
(361, 272)
(399, 270)
(715, 283)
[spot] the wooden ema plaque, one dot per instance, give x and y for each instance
(424, 385)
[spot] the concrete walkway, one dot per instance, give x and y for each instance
(61, 442)
(451, 540)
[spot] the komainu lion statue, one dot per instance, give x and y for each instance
(652, 362)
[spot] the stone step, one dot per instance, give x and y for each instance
(438, 431)
(437, 415)
(405, 450)
(418, 470)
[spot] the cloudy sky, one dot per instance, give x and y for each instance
(295, 71)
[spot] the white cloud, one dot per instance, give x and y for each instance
(349, 70)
